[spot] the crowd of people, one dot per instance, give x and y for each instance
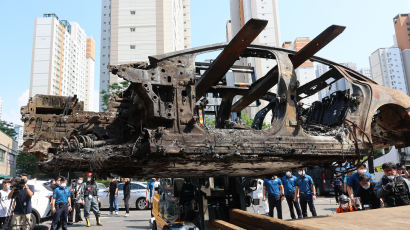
(356, 191)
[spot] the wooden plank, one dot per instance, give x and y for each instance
(223, 225)
(260, 87)
(229, 55)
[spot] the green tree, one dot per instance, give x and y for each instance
(248, 121)
(114, 89)
(26, 163)
(8, 129)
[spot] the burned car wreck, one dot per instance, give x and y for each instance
(153, 128)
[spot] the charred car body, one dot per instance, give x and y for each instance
(153, 128)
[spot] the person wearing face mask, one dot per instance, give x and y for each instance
(61, 205)
(392, 188)
(289, 186)
(366, 193)
(306, 191)
(90, 199)
(77, 201)
(4, 202)
(274, 188)
(353, 184)
(344, 204)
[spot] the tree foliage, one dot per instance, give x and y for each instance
(8, 129)
(114, 89)
(26, 163)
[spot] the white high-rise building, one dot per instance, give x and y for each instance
(320, 69)
(387, 68)
(61, 64)
(19, 137)
(132, 30)
(241, 12)
(366, 72)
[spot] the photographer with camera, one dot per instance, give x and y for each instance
(21, 193)
(4, 202)
(392, 188)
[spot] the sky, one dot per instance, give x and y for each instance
(369, 26)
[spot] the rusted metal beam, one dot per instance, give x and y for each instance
(229, 55)
(260, 87)
(223, 225)
(250, 220)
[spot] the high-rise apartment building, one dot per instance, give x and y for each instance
(132, 30)
(402, 29)
(241, 12)
(306, 72)
(19, 137)
(387, 68)
(402, 34)
(366, 72)
(244, 10)
(62, 61)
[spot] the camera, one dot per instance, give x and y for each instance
(18, 183)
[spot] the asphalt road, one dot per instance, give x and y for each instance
(139, 219)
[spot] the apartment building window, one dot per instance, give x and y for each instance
(132, 12)
(132, 29)
(132, 47)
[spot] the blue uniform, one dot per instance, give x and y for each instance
(272, 186)
(289, 184)
(354, 182)
(61, 196)
(274, 199)
(305, 184)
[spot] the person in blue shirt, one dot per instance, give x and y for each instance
(150, 192)
(353, 184)
(306, 191)
(289, 186)
(61, 205)
(274, 188)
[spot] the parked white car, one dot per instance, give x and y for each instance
(40, 201)
(138, 193)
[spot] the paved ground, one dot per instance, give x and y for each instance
(139, 219)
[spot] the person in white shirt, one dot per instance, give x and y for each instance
(258, 194)
(4, 202)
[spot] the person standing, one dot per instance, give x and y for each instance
(306, 191)
(289, 186)
(113, 196)
(23, 209)
(90, 200)
(4, 203)
(337, 185)
(77, 201)
(127, 194)
(353, 184)
(392, 188)
(150, 192)
(61, 205)
(257, 194)
(274, 188)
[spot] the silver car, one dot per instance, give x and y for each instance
(137, 198)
